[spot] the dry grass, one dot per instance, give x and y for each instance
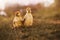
(40, 30)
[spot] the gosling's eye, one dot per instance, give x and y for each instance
(17, 15)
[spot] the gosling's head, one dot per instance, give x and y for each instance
(17, 14)
(28, 10)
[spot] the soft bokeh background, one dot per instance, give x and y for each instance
(46, 24)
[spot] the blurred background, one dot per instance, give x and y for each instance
(46, 14)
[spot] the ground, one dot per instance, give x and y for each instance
(43, 30)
